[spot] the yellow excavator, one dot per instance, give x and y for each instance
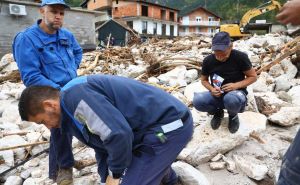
(241, 30)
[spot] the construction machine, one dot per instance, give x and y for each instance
(241, 29)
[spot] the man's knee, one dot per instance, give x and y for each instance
(200, 101)
(235, 100)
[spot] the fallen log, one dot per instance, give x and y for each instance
(13, 133)
(24, 145)
(279, 59)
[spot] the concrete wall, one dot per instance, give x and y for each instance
(81, 23)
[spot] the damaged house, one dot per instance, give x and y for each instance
(149, 19)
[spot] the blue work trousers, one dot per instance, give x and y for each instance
(290, 168)
(151, 161)
(152, 167)
(234, 102)
(60, 155)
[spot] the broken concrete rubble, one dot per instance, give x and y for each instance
(175, 66)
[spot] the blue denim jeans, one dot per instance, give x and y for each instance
(234, 102)
(290, 168)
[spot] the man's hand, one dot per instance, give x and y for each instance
(216, 92)
(112, 181)
(289, 13)
(230, 87)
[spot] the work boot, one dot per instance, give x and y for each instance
(233, 124)
(65, 176)
(216, 120)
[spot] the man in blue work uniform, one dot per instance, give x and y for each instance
(136, 130)
(290, 168)
(47, 54)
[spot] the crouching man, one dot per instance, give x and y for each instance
(225, 74)
(136, 130)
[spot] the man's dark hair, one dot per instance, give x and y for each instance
(31, 100)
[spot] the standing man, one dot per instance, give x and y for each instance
(47, 54)
(136, 130)
(226, 73)
(290, 168)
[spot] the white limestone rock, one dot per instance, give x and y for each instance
(276, 71)
(8, 157)
(26, 173)
(195, 87)
(188, 174)
(264, 83)
(286, 116)
(251, 167)
(174, 77)
(282, 83)
(13, 180)
(217, 165)
(191, 75)
(289, 68)
(11, 114)
(199, 118)
(217, 157)
(36, 173)
(8, 127)
(14, 140)
(294, 92)
(230, 164)
(35, 137)
(153, 80)
(206, 143)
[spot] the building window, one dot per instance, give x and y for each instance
(171, 30)
(117, 1)
(155, 28)
(130, 24)
(163, 14)
(198, 19)
(211, 18)
(144, 27)
(163, 29)
(186, 29)
(144, 10)
(172, 17)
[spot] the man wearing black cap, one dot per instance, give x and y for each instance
(47, 54)
(226, 74)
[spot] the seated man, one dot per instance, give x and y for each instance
(136, 130)
(230, 72)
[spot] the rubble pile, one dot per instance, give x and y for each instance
(251, 155)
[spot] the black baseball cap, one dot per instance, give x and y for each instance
(221, 41)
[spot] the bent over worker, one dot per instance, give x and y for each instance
(136, 130)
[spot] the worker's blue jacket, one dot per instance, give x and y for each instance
(46, 59)
(111, 114)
